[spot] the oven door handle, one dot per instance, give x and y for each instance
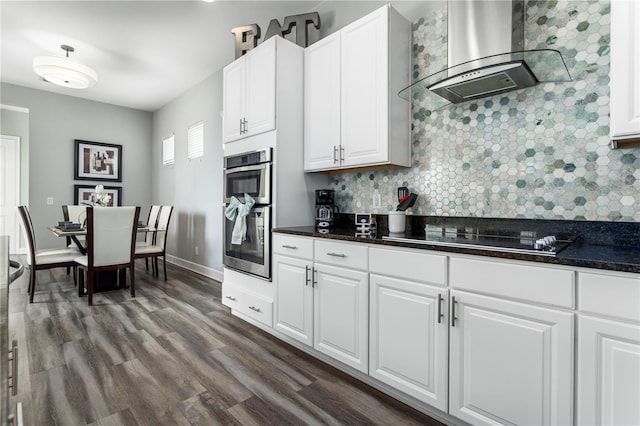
(262, 166)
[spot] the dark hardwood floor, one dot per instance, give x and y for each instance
(174, 355)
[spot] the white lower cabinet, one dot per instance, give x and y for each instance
(510, 363)
(341, 313)
(248, 303)
(408, 338)
(488, 341)
(608, 361)
(608, 372)
(294, 298)
(323, 305)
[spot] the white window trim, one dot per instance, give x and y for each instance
(195, 141)
(168, 150)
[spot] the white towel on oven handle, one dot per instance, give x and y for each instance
(239, 211)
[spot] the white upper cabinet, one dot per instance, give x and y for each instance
(233, 99)
(322, 104)
(625, 69)
(249, 93)
(353, 114)
(365, 93)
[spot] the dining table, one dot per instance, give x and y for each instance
(105, 281)
(74, 233)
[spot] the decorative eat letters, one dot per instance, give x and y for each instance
(301, 23)
(247, 36)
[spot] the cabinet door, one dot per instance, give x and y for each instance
(233, 94)
(322, 104)
(260, 107)
(510, 363)
(341, 312)
(364, 97)
(408, 333)
(625, 69)
(608, 372)
(293, 298)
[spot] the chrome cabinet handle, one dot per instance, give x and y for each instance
(335, 154)
(13, 357)
(307, 280)
(341, 153)
(289, 247)
(336, 254)
(453, 311)
(231, 298)
(243, 126)
(440, 314)
(314, 277)
(253, 308)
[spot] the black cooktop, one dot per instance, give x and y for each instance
(529, 242)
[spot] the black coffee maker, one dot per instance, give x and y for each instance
(326, 210)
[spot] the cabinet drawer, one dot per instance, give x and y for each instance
(293, 246)
(413, 265)
(249, 304)
(518, 281)
(341, 254)
(611, 295)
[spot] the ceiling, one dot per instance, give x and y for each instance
(146, 53)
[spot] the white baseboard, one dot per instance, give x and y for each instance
(215, 274)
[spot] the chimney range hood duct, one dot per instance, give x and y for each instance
(486, 56)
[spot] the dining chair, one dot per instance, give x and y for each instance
(43, 259)
(74, 214)
(111, 240)
(152, 222)
(158, 248)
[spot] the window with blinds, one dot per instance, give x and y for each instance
(195, 140)
(168, 153)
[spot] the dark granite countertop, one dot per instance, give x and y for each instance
(600, 245)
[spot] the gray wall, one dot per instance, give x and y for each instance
(193, 187)
(54, 122)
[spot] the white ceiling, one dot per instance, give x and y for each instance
(145, 52)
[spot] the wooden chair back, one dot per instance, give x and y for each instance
(74, 213)
(163, 226)
(111, 235)
(152, 222)
(27, 225)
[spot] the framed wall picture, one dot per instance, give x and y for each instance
(82, 194)
(98, 161)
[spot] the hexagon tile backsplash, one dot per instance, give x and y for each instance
(541, 152)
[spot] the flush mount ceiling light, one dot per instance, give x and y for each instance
(64, 71)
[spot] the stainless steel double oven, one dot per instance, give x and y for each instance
(249, 174)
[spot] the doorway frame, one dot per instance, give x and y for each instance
(16, 241)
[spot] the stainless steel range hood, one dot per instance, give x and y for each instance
(486, 56)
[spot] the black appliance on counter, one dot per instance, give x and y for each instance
(326, 210)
